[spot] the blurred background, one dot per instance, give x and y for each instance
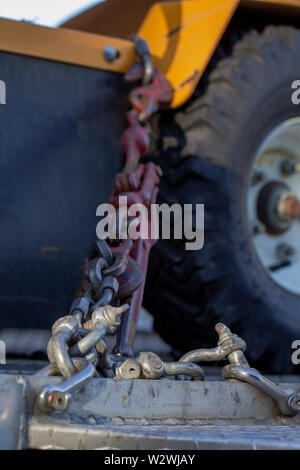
(43, 12)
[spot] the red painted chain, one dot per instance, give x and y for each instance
(139, 183)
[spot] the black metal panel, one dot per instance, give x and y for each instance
(59, 150)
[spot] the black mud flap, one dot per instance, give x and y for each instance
(60, 134)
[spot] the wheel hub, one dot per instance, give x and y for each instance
(269, 198)
(288, 206)
(273, 205)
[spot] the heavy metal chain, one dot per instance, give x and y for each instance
(111, 291)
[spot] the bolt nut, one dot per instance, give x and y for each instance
(289, 167)
(129, 369)
(110, 53)
(258, 177)
(59, 401)
(284, 251)
(258, 228)
(101, 347)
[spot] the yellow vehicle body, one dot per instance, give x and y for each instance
(182, 35)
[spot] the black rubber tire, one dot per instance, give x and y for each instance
(205, 152)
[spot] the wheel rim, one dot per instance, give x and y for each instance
(273, 205)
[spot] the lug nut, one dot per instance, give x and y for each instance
(258, 177)
(258, 228)
(284, 251)
(289, 168)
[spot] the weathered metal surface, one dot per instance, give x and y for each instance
(182, 401)
(66, 436)
(158, 401)
(136, 414)
(12, 415)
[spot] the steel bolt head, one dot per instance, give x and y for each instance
(152, 365)
(110, 53)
